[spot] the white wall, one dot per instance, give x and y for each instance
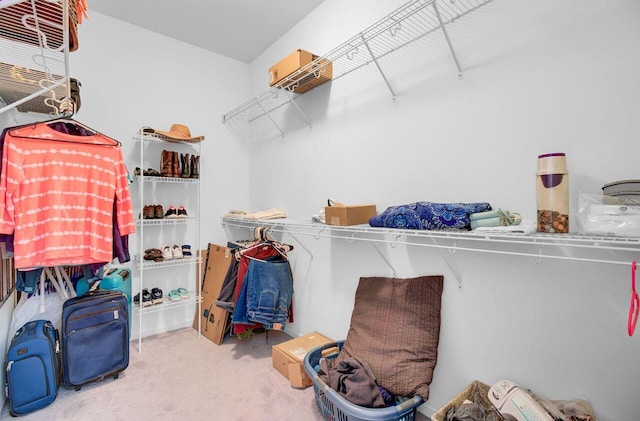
(132, 78)
(539, 77)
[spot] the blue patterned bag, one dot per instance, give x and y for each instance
(428, 215)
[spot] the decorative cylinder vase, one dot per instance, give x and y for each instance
(552, 193)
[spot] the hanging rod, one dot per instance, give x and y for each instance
(451, 240)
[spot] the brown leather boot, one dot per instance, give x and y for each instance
(195, 166)
(176, 164)
(186, 166)
(166, 164)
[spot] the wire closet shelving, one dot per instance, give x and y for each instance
(34, 65)
(408, 23)
(572, 247)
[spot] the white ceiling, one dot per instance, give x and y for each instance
(240, 29)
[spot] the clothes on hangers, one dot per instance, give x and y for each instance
(263, 249)
(58, 192)
(266, 294)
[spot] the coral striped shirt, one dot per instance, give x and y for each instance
(57, 195)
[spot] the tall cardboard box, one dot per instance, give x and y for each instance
(349, 215)
(214, 321)
(288, 357)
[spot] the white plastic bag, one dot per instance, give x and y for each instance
(605, 215)
(40, 306)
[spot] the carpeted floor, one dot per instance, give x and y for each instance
(180, 376)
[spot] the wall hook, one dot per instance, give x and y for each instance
(539, 257)
(317, 236)
(452, 250)
(350, 239)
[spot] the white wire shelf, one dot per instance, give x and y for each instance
(410, 22)
(168, 304)
(153, 139)
(175, 180)
(168, 221)
(150, 264)
(34, 66)
(595, 249)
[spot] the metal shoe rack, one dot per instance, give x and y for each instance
(398, 29)
(34, 65)
(182, 224)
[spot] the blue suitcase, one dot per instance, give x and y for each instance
(95, 337)
(33, 367)
(118, 279)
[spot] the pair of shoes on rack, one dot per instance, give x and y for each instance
(149, 298)
(152, 212)
(190, 165)
(186, 251)
(172, 252)
(178, 294)
(154, 254)
(149, 172)
(172, 212)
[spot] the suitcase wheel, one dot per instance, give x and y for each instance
(115, 376)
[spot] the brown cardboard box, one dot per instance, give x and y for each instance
(288, 65)
(319, 73)
(349, 215)
(315, 77)
(214, 320)
(288, 357)
(214, 263)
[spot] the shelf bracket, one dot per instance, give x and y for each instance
(393, 270)
(375, 61)
(271, 119)
(297, 108)
(448, 259)
(446, 36)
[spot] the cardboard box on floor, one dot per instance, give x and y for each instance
(214, 263)
(349, 215)
(288, 357)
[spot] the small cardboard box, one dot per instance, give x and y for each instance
(349, 215)
(288, 357)
(288, 65)
(317, 76)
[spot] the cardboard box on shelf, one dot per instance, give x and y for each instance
(349, 215)
(288, 65)
(214, 321)
(288, 357)
(320, 72)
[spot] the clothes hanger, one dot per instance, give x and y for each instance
(64, 137)
(263, 239)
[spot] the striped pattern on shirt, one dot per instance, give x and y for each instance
(57, 194)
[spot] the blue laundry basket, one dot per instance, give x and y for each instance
(336, 408)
